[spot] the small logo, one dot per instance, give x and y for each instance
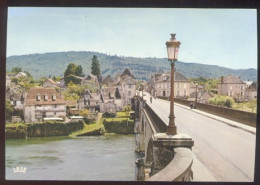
(19, 169)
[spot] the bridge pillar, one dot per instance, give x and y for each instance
(163, 149)
(140, 169)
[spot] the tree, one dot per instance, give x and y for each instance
(79, 71)
(95, 67)
(16, 69)
(72, 70)
(8, 110)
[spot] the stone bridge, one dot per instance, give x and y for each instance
(166, 157)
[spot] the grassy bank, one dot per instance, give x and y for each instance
(94, 128)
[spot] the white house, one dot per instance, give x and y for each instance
(43, 103)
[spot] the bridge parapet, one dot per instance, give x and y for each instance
(162, 151)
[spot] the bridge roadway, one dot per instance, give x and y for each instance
(222, 152)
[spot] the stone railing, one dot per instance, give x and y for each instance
(166, 158)
(159, 125)
(179, 169)
(243, 117)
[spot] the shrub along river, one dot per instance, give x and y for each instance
(99, 158)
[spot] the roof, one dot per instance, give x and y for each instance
(127, 73)
(107, 79)
(31, 98)
(71, 103)
(232, 79)
(51, 81)
(167, 77)
(248, 83)
(21, 73)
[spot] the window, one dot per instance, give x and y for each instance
(38, 97)
(45, 97)
(54, 113)
(178, 85)
(129, 86)
(129, 93)
(184, 87)
(168, 85)
(184, 93)
(55, 106)
(242, 88)
(230, 93)
(241, 93)
(178, 93)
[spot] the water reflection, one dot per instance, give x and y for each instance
(108, 157)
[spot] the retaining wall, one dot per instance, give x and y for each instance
(247, 118)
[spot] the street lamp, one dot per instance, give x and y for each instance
(172, 50)
(196, 99)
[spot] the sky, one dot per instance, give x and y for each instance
(223, 37)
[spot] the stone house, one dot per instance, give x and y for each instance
(232, 86)
(16, 97)
(89, 79)
(181, 85)
(7, 81)
(43, 103)
(205, 97)
(108, 81)
(90, 101)
(62, 83)
(49, 83)
(111, 94)
(153, 80)
(109, 107)
(251, 90)
(126, 85)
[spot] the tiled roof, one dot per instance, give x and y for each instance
(31, 98)
(232, 79)
(167, 77)
(108, 79)
(51, 81)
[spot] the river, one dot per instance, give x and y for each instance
(98, 158)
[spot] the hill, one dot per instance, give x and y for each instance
(54, 64)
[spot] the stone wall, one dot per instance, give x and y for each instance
(53, 129)
(247, 118)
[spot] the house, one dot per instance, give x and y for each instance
(20, 75)
(111, 94)
(153, 79)
(89, 79)
(7, 81)
(109, 107)
(126, 84)
(90, 101)
(43, 103)
(193, 89)
(108, 81)
(232, 86)
(181, 85)
(16, 97)
(251, 90)
(62, 83)
(49, 83)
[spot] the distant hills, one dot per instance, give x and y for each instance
(54, 64)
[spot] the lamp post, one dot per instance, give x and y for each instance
(172, 50)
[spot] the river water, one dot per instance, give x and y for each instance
(98, 158)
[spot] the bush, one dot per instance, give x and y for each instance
(15, 131)
(119, 125)
(223, 101)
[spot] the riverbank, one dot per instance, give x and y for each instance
(120, 123)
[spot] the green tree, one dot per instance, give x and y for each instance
(16, 69)
(8, 110)
(79, 71)
(71, 69)
(224, 101)
(95, 67)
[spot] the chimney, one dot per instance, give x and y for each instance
(222, 79)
